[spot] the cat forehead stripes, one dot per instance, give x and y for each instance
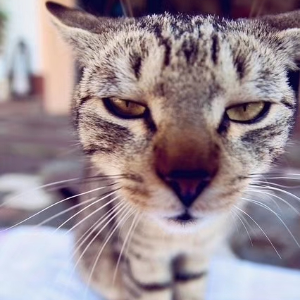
(180, 36)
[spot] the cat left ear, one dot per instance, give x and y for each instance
(67, 19)
(78, 28)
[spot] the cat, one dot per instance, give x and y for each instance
(176, 115)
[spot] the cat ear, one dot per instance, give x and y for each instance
(289, 20)
(81, 30)
(287, 34)
(72, 20)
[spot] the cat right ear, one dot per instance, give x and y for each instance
(78, 28)
(288, 34)
(284, 21)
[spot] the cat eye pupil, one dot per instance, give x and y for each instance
(124, 109)
(248, 113)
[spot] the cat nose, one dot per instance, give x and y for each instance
(187, 184)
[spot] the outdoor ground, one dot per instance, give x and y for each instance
(39, 145)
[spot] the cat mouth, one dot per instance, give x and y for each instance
(184, 219)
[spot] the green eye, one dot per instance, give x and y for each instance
(125, 108)
(248, 112)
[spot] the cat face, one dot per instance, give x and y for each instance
(186, 109)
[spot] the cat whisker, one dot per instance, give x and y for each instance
(262, 191)
(70, 209)
(106, 176)
(284, 177)
(82, 181)
(247, 231)
(260, 182)
(124, 218)
(92, 213)
(83, 209)
(60, 184)
(69, 230)
(258, 202)
(281, 191)
(272, 211)
(52, 205)
(96, 226)
(277, 176)
(246, 222)
(108, 218)
(235, 222)
(236, 207)
(269, 195)
(87, 201)
(123, 246)
(39, 188)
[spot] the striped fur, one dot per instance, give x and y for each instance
(187, 70)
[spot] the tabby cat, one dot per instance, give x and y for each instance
(177, 113)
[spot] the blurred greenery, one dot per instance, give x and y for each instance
(3, 18)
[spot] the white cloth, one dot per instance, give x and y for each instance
(36, 264)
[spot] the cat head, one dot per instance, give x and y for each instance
(185, 108)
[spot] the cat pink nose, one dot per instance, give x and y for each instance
(187, 184)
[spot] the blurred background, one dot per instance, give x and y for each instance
(38, 145)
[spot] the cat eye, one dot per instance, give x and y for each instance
(248, 112)
(125, 108)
